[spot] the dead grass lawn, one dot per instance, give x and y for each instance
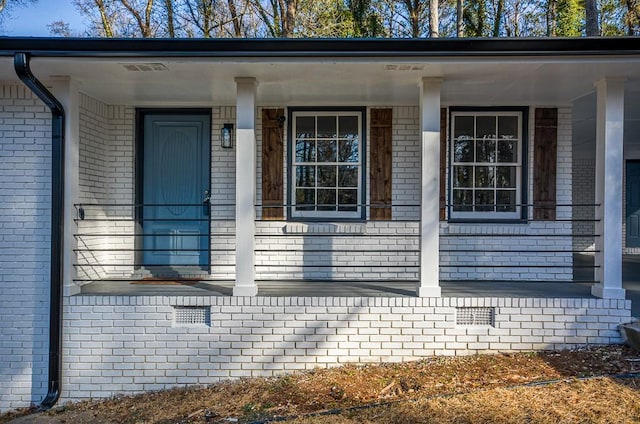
(474, 389)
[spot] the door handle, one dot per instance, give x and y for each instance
(206, 203)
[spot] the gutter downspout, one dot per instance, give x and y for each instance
(23, 70)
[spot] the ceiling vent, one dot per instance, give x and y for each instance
(404, 67)
(145, 67)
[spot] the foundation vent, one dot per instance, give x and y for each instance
(192, 315)
(475, 316)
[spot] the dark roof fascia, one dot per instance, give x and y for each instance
(319, 48)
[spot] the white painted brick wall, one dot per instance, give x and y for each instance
(584, 180)
(106, 179)
(118, 145)
(25, 199)
(130, 344)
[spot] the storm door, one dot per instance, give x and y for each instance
(175, 192)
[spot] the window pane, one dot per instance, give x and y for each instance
(486, 127)
(327, 127)
(326, 176)
(506, 201)
(508, 127)
(463, 176)
(348, 126)
(305, 199)
(507, 151)
(348, 151)
(506, 177)
(348, 176)
(326, 151)
(326, 200)
(346, 198)
(305, 127)
(484, 200)
(305, 176)
(485, 151)
(305, 151)
(484, 176)
(463, 200)
(463, 127)
(463, 151)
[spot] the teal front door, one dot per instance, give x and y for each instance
(175, 217)
(632, 200)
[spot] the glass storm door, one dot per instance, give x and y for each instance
(175, 187)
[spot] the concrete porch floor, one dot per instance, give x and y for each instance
(576, 289)
(344, 288)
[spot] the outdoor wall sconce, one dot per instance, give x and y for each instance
(226, 136)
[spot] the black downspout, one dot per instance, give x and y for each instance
(21, 64)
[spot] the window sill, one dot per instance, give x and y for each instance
(487, 221)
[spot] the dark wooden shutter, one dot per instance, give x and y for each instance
(443, 164)
(272, 165)
(544, 163)
(381, 164)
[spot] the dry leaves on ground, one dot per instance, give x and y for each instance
(419, 391)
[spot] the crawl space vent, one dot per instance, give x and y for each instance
(475, 316)
(192, 315)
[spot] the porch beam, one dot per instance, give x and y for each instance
(609, 179)
(429, 285)
(245, 284)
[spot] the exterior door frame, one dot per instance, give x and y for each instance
(140, 114)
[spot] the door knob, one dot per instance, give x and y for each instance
(206, 203)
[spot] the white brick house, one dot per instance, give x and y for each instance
(381, 200)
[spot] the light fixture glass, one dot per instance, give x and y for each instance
(226, 136)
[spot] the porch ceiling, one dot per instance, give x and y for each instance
(481, 81)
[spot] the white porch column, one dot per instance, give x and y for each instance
(67, 92)
(609, 177)
(245, 187)
(429, 285)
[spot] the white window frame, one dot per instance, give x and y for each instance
(324, 215)
(521, 146)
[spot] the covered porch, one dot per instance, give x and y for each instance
(420, 248)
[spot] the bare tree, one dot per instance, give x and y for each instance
(288, 9)
(632, 16)
(415, 15)
(551, 18)
(591, 18)
(5, 6)
(279, 16)
(235, 19)
(171, 29)
(60, 29)
(433, 18)
(106, 21)
(459, 18)
(497, 19)
(144, 23)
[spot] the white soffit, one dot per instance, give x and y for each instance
(498, 81)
